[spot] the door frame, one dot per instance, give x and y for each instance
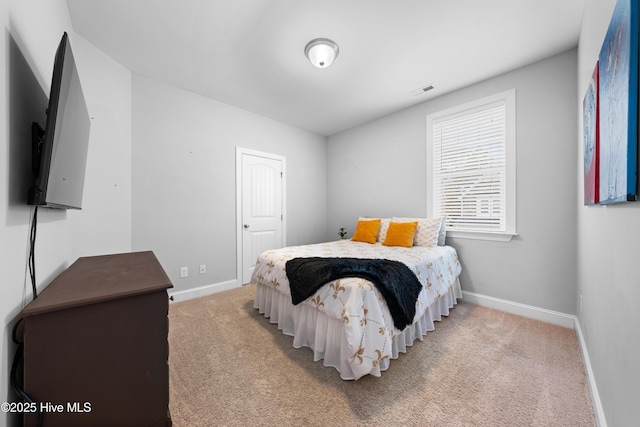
(241, 151)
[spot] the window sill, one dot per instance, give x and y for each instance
(478, 235)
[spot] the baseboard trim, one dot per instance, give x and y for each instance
(201, 291)
(593, 388)
(549, 316)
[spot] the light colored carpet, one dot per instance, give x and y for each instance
(230, 367)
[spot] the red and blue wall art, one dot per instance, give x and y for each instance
(618, 107)
(591, 141)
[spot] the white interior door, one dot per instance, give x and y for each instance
(262, 182)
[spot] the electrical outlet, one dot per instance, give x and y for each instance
(184, 272)
(203, 269)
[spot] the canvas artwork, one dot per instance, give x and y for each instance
(591, 142)
(618, 98)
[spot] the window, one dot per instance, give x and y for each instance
(471, 168)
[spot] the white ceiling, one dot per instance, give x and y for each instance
(250, 53)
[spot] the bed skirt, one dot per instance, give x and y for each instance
(325, 336)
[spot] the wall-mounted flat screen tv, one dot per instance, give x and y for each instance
(60, 149)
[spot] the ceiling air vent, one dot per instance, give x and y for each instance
(421, 90)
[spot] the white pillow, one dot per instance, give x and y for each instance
(427, 232)
(384, 227)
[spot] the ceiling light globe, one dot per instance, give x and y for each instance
(321, 52)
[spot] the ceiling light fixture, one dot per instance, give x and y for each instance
(321, 52)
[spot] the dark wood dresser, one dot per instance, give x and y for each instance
(95, 344)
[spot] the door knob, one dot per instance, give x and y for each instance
(246, 226)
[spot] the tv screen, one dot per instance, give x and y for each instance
(60, 151)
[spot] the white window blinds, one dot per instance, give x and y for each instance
(469, 171)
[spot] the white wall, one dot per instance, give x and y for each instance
(379, 169)
(607, 263)
(31, 32)
(184, 197)
(104, 225)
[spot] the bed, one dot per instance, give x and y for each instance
(346, 322)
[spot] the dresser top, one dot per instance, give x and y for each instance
(95, 279)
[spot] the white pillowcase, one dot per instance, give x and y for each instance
(384, 227)
(427, 232)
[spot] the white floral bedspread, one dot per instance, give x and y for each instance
(368, 323)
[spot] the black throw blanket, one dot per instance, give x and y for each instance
(395, 281)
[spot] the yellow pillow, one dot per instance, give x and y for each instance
(401, 234)
(366, 231)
